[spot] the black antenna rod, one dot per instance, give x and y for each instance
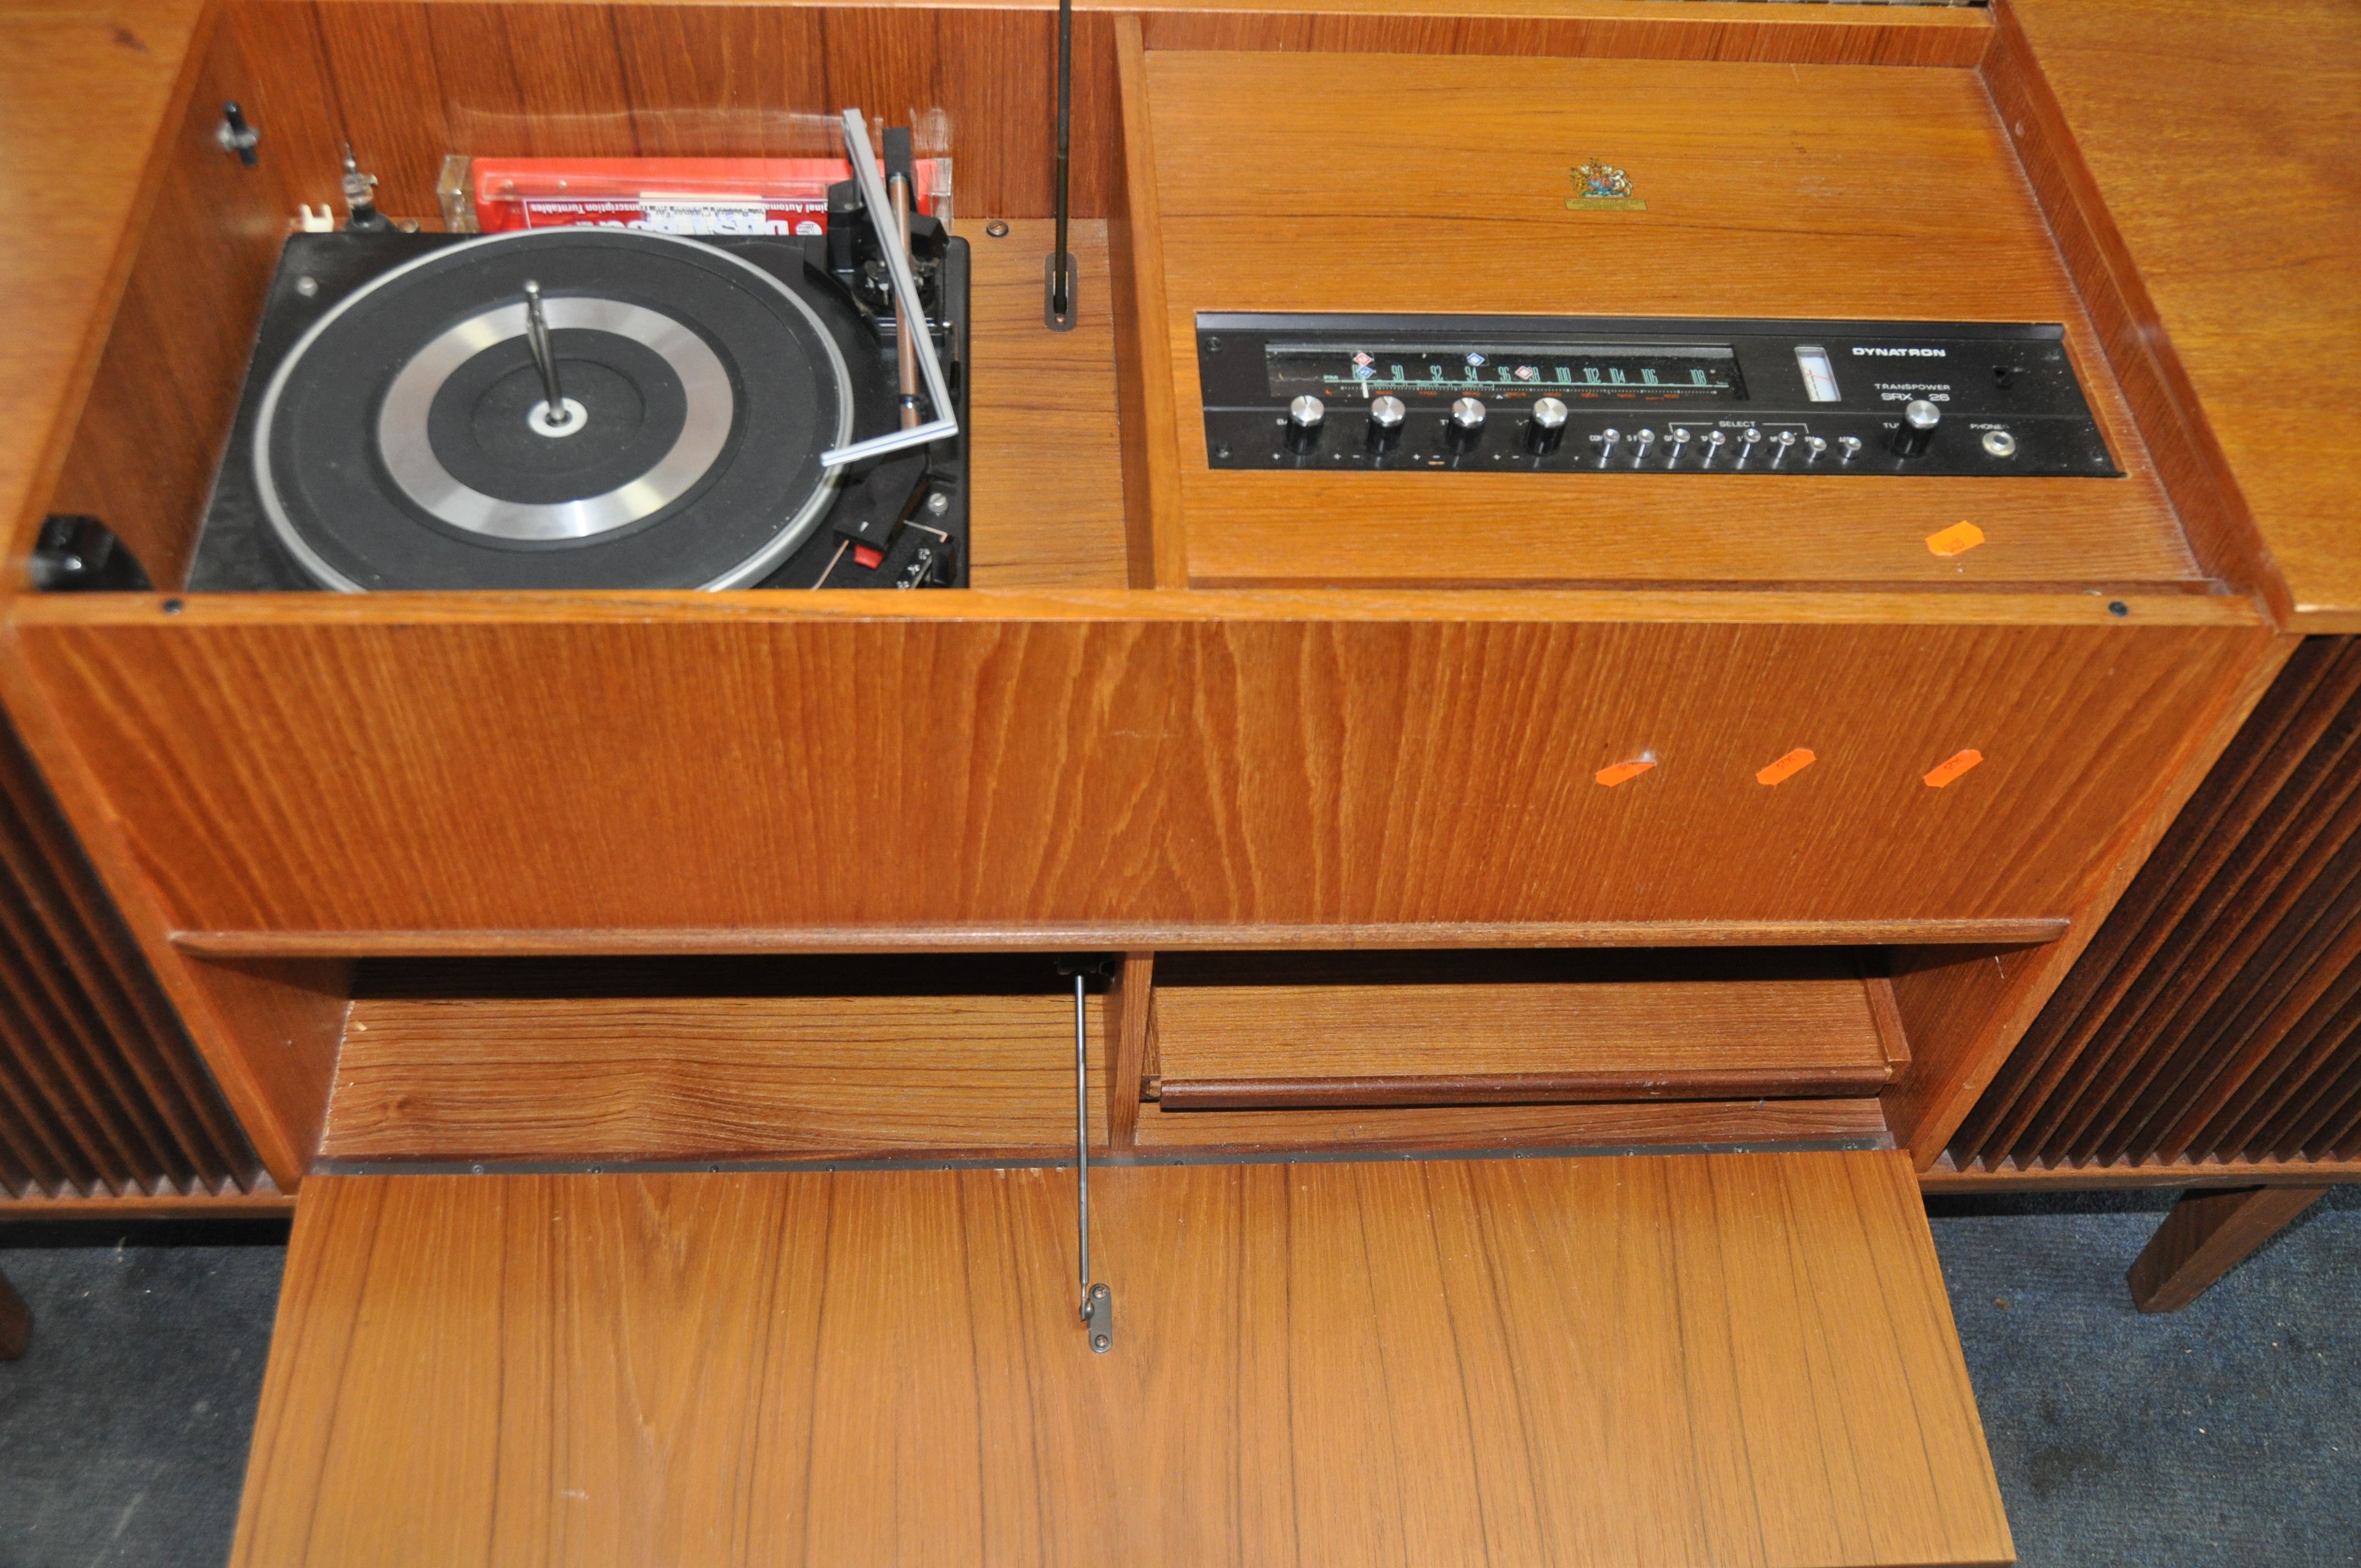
(1059, 313)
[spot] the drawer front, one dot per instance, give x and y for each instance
(1412, 1029)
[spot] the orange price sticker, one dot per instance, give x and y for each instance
(1956, 540)
(1623, 772)
(1952, 767)
(1787, 767)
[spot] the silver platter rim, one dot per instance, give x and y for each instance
(753, 569)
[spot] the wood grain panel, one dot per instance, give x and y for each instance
(1313, 1364)
(705, 1077)
(1799, 34)
(118, 75)
(2215, 1016)
(1045, 508)
(143, 458)
(1151, 475)
(1130, 1029)
(1104, 763)
(1875, 168)
(1493, 1129)
(2214, 517)
(2246, 286)
(1563, 1027)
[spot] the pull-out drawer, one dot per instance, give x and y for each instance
(1704, 1359)
(1277, 1031)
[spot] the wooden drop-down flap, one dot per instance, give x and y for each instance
(1709, 1359)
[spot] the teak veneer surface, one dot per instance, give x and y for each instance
(110, 74)
(674, 1078)
(1129, 759)
(1772, 190)
(1616, 1126)
(1045, 509)
(2220, 141)
(1702, 1360)
(1530, 1038)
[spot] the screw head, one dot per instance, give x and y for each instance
(996, 229)
(939, 503)
(1100, 1342)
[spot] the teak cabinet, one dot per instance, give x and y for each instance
(1413, 815)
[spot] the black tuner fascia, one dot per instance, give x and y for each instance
(1717, 399)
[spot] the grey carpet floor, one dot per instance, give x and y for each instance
(2226, 1435)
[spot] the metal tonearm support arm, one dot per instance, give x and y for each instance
(906, 289)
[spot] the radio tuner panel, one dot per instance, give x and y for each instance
(1527, 394)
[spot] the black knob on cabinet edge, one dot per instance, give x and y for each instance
(1386, 415)
(1917, 430)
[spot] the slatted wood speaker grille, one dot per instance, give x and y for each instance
(2217, 1016)
(101, 1092)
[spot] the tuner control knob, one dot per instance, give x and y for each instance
(1465, 425)
(1546, 428)
(1848, 448)
(1917, 430)
(1714, 441)
(1748, 439)
(1304, 416)
(1386, 415)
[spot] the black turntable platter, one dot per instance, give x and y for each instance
(405, 441)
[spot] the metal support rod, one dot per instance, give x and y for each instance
(545, 357)
(1098, 1302)
(1083, 1139)
(906, 293)
(1062, 265)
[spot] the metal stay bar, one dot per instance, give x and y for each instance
(1098, 1302)
(906, 289)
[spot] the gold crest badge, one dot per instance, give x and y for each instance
(1602, 188)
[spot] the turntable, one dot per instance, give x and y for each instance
(603, 408)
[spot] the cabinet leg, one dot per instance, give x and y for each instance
(15, 1322)
(2203, 1238)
